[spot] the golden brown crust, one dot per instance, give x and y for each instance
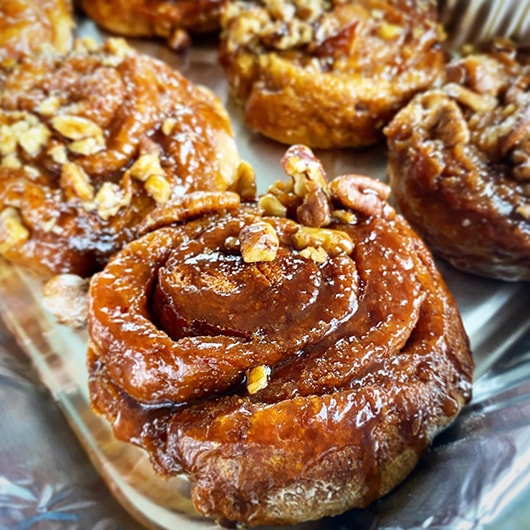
(91, 143)
(328, 74)
(459, 164)
(155, 18)
(291, 371)
(28, 27)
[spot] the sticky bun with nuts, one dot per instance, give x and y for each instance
(91, 143)
(28, 27)
(169, 19)
(328, 73)
(293, 356)
(459, 163)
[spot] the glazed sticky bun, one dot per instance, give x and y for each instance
(328, 73)
(293, 356)
(28, 27)
(169, 19)
(91, 143)
(459, 163)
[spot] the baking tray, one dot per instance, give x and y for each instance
(474, 473)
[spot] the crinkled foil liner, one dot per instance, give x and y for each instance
(477, 473)
(481, 20)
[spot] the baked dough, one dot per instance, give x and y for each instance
(293, 358)
(170, 19)
(91, 143)
(328, 73)
(29, 26)
(459, 163)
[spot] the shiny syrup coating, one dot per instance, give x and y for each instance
(27, 27)
(151, 18)
(328, 74)
(94, 141)
(363, 350)
(459, 163)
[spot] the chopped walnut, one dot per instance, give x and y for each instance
(334, 242)
(87, 146)
(76, 127)
(65, 297)
(305, 168)
(317, 254)
(110, 198)
(147, 165)
(49, 106)
(245, 181)
(13, 233)
(258, 242)
(315, 210)
(257, 378)
(75, 181)
(159, 188)
(271, 205)
(360, 193)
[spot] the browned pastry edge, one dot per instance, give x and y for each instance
(328, 76)
(28, 27)
(170, 19)
(459, 164)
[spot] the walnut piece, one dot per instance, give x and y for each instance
(334, 242)
(258, 242)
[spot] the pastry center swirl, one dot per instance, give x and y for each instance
(203, 289)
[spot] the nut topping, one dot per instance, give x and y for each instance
(76, 127)
(12, 231)
(257, 378)
(334, 242)
(258, 242)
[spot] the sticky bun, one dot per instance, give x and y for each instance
(28, 27)
(328, 73)
(170, 19)
(459, 163)
(293, 356)
(91, 143)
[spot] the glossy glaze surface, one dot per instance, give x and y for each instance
(459, 164)
(364, 354)
(27, 27)
(328, 74)
(93, 142)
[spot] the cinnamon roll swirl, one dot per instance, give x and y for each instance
(170, 19)
(293, 357)
(459, 163)
(328, 73)
(91, 143)
(28, 27)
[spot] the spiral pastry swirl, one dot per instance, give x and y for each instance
(459, 163)
(91, 143)
(293, 357)
(328, 73)
(28, 27)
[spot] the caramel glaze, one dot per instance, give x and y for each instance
(329, 76)
(28, 27)
(155, 18)
(459, 163)
(367, 353)
(130, 105)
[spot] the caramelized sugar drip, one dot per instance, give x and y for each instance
(459, 163)
(28, 27)
(328, 73)
(170, 19)
(91, 143)
(291, 370)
